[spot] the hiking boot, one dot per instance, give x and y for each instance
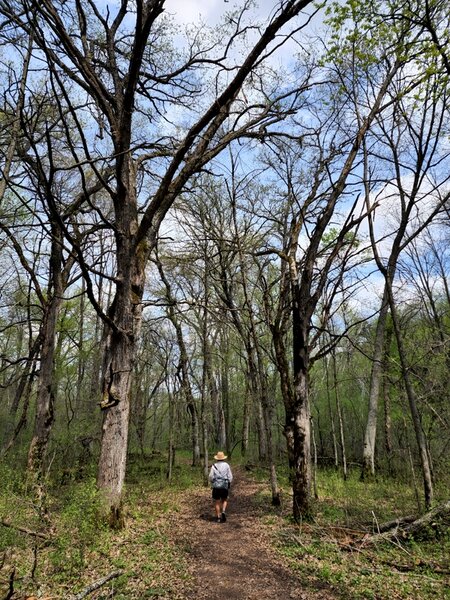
(218, 520)
(224, 517)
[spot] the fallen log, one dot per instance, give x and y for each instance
(96, 585)
(395, 523)
(433, 524)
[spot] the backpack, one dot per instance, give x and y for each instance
(220, 481)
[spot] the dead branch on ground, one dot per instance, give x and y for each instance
(37, 534)
(96, 585)
(431, 524)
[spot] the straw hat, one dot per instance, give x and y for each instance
(220, 456)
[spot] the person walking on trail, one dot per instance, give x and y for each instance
(220, 477)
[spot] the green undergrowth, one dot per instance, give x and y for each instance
(335, 550)
(75, 547)
(332, 553)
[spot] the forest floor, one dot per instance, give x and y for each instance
(171, 548)
(236, 559)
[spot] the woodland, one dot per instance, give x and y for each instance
(227, 233)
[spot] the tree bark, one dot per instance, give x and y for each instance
(59, 274)
(300, 415)
(368, 458)
(123, 330)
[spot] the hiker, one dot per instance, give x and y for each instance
(220, 477)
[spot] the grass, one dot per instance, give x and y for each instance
(81, 549)
(332, 551)
(328, 553)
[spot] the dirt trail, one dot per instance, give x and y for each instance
(235, 560)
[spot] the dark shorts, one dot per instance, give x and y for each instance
(219, 493)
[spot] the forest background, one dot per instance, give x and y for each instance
(228, 234)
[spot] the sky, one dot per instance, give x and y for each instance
(186, 11)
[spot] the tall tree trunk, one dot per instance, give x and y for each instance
(245, 421)
(261, 427)
(123, 329)
(368, 458)
(305, 296)
(301, 481)
(286, 386)
(412, 399)
(81, 359)
(46, 392)
(387, 402)
(268, 418)
(330, 409)
(301, 413)
(314, 462)
(171, 442)
(205, 376)
(340, 417)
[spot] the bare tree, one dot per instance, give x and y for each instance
(413, 162)
(183, 366)
(114, 62)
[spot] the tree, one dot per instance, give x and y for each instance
(418, 117)
(423, 127)
(116, 64)
(183, 366)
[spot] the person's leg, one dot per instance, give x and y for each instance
(218, 508)
(224, 505)
(217, 503)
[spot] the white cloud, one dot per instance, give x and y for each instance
(188, 11)
(211, 11)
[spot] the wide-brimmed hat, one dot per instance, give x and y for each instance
(220, 456)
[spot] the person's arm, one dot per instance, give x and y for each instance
(230, 474)
(211, 474)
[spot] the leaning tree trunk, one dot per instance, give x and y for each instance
(23, 417)
(25, 376)
(412, 399)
